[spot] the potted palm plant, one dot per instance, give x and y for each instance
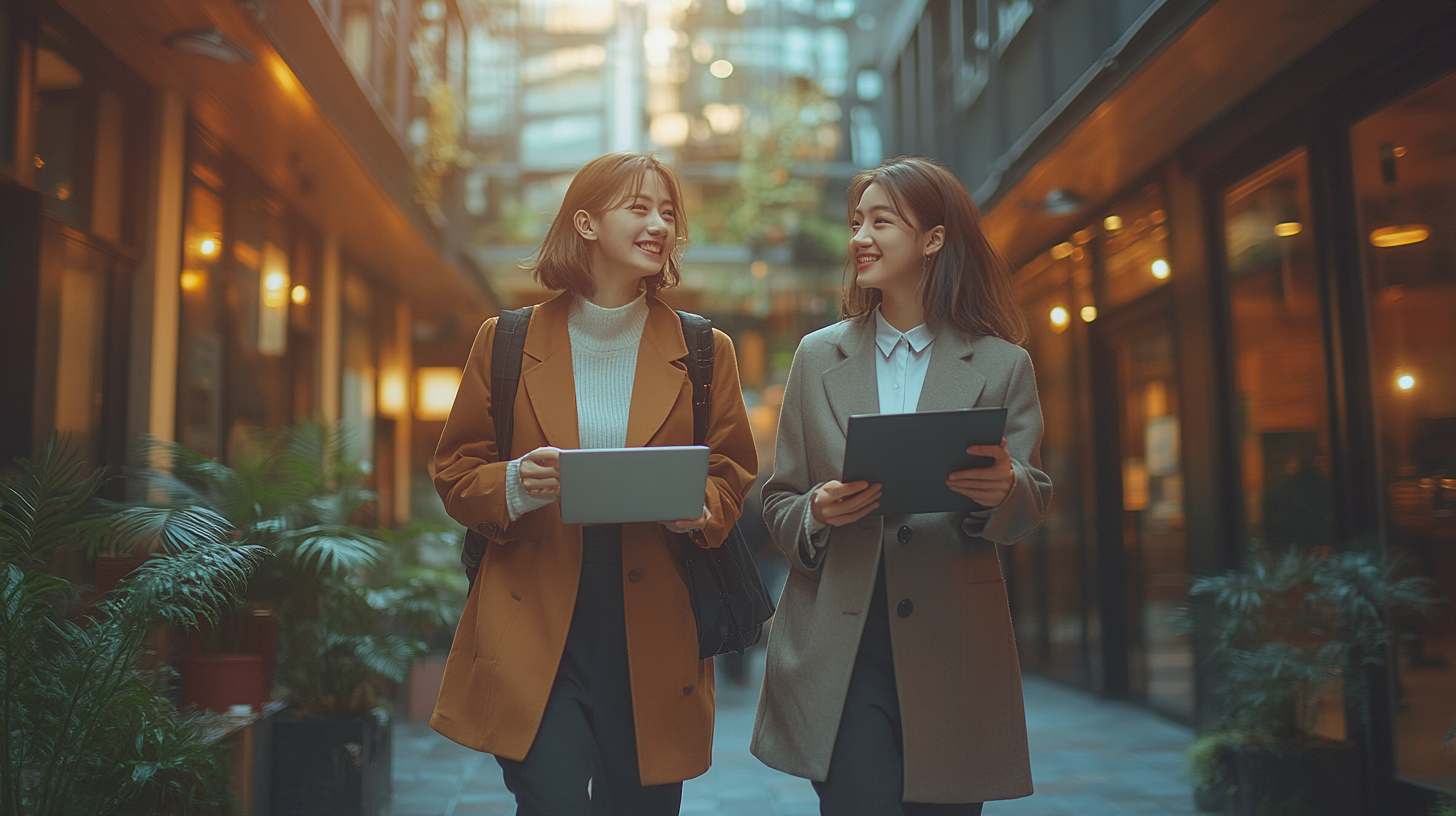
(85, 726)
(1282, 633)
(348, 624)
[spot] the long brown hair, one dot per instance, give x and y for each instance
(564, 259)
(967, 283)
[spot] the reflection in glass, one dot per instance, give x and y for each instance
(1154, 529)
(1050, 570)
(200, 362)
(1405, 183)
(1135, 247)
(1279, 359)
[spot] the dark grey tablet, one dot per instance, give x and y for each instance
(614, 485)
(910, 455)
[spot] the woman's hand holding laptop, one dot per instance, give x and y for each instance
(541, 473)
(689, 525)
(987, 486)
(837, 504)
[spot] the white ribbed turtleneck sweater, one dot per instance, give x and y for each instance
(604, 363)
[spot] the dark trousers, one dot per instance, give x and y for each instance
(867, 768)
(584, 759)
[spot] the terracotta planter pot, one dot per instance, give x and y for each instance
(218, 682)
(110, 569)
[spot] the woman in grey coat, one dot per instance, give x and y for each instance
(892, 678)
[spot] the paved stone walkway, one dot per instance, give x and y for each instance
(1090, 757)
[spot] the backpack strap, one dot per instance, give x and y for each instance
(505, 375)
(698, 334)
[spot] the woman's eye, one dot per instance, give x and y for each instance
(854, 225)
(882, 221)
(669, 214)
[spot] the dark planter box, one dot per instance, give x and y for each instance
(335, 767)
(1296, 780)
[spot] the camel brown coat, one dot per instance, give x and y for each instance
(956, 669)
(513, 630)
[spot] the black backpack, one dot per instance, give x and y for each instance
(728, 595)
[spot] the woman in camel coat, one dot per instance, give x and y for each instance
(892, 679)
(576, 659)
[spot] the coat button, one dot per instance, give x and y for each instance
(634, 576)
(904, 534)
(687, 690)
(905, 608)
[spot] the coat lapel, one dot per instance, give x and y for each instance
(549, 383)
(951, 381)
(852, 385)
(661, 375)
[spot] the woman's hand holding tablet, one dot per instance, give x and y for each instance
(541, 473)
(837, 504)
(988, 486)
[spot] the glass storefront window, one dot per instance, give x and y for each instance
(1049, 570)
(58, 134)
(1134, 247)
(200, 366)
(1279, 359)
(1405, 186)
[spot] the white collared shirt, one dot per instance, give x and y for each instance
(901, 364)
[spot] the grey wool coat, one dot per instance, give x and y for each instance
(955, 655)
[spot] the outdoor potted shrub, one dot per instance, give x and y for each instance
(1282, 633)
(348, 624)
(84, 726)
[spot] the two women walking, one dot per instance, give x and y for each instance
(892, 678)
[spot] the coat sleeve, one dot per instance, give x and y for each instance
(1024, 508)
(787, 492)
(470, 481)
(733, 461)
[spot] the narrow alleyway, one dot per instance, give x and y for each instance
(1090, 757)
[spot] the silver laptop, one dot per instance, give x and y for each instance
(618, 485)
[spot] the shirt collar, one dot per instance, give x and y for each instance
(887, 336)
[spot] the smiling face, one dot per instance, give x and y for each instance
(887, 249)
(635, 236)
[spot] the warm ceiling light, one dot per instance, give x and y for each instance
(1288, 228)
(209, 247)
(1089, 314)
(1112, 223)
(435, 388)
(721, 69)
(275, 281)
(192, 280)
(1161, 270)
(300, 294)
(1062, 250)
(393, 393)
(1060, 317)
(1400, 235)
(209, 42)
(1405, 382)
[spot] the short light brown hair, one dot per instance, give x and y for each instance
(967, 283)
(564, 259)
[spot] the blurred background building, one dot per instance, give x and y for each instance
(1234, 224)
